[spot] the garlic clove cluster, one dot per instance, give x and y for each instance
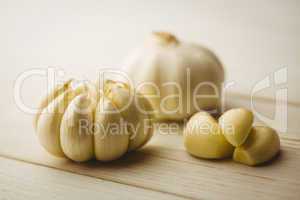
(254, 144)
(79, 122)
(206, 138)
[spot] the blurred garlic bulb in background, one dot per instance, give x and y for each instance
(79, 122)
(178, 78)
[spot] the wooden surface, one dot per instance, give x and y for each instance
(252, 38)
(162, 169)
(19, 180)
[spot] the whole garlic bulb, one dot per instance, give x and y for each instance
(174, 74)
(79, 122)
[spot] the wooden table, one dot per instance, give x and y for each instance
(162, 169)
(252, 38)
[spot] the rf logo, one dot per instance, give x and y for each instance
(279, 83)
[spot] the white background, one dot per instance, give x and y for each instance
(252, 38)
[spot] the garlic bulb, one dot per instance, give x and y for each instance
(79, 122)
(178, 78)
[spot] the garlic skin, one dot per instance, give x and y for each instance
(236, 125)
(110, 145)
(262, 145)
(73, 122)
(77, 142)
(140, 133)
(165, 61)
(49, 120)
(203, 138)
(48, 98)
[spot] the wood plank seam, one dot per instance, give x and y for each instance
(149, 153)
(109, 180)
(208, 165)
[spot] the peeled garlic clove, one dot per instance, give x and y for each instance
(261, 145)
(76, 134)
(236, 125)
(48, 123)
(49, 98)
(74, 124)
(111, 139)
(203, 138)
(139, 123)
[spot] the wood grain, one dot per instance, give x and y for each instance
(164, 167)
(20, 180)
(252, 38)
(175, 172)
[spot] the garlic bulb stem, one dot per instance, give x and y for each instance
(165, 38)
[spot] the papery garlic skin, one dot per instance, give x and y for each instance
(49, 97)
(178, 72)
(49, 121)
(110, 145)
(203, 138)
(262, 145)
(77, 140)
(139, 123)
(59, 129)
